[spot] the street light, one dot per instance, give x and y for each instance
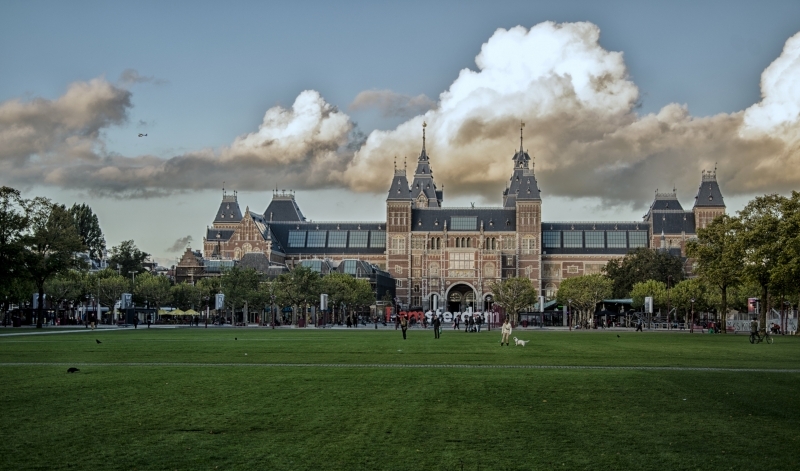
(669, 279)
(691, 326)
(569, 314)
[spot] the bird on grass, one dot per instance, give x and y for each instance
(617, 335)
(97, 341)
(72, 370)
(235, 338)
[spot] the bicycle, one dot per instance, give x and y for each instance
(755, 337)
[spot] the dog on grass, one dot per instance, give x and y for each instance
(520, 343)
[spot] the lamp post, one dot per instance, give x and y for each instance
(569, 314)
(669, 279)
(691, 326)
(272, 308)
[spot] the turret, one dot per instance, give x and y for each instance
(423, 190)
(708, 204)
(523, 185)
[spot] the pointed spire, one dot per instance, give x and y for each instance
(521, 125)
(424, 125)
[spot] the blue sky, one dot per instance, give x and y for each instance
(209, 71)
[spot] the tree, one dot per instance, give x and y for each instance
(656, 289)
(718, 253)
(185, 296)
(338, 287)
(640, 265)
(50, 246)
(64, 287)
(152, 289)
(126, 258)
(513, 294)
(760, 238)
(239, 286)
(88, 227)
(109, 286)
(301, 287)
(683, 293)
(13, 223)
(208, 288)
(584, 292)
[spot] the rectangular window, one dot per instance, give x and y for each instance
(551, 239)
(349, 267)
(637, 239)
(358, 239)
(377, 239)
(463, 223)
(616, 240)
(595, 240)
(462, 261)
(528, 245)
(337, 239)
(573, 239)
(509, 243)
(398, 245)
(297, 238)
(316, 238)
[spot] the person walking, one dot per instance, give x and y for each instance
(638, 325)
(135, 322)
(472, 323)
(506, 331)
(403, 325)
(753, 328)
(478, 322)
(455, 322)
(437, 325)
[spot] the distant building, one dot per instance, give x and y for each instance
(448, 257)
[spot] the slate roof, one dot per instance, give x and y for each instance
(228, 211)
(709, 195)
(433, 219)
(673, 222)
(280, 231)
(283, 207)
(423, 180)
(522, 186)
(399, 189)
(666, 201)
(224, 234)
(591, 226)
(255, 260)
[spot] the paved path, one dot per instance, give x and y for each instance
(380, 365)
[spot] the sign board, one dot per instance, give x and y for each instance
(126, 301)
(219, 301)
(36, 300)
(541, 303)
(648, 304)
(323, 302)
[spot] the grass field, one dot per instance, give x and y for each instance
(366, 399)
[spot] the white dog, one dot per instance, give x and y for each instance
(520, 343)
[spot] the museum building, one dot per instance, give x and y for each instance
(447, 257)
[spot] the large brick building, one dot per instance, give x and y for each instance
(448, 257)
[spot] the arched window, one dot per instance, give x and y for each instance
(550, 291)
(488, 270)
(237, 253)
(247, 248)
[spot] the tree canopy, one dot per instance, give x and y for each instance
(514, 295)
(640, 265)
(126, 258)
(583, 293)
(88, 227)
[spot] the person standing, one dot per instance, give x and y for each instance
(479, 321)
(135, 321)
(437, 325)
(638, 325)
(506, 331)
(456, 318)
(403, 325)
(753, 328)
(471, 323)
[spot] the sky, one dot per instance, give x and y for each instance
(619, 99)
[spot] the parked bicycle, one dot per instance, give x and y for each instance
(755, 337)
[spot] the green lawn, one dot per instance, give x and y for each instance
(213, 407)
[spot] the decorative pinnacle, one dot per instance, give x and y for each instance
(521, 125)
(424, 125)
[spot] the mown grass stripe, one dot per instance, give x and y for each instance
(406, 365)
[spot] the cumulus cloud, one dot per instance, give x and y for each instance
(576, 98)
(180, 244)
(392, 104)
(579, 105)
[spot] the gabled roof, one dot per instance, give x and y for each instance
(283, 207)
(228, 212)
(667, 201)
(709, 195)
(218, 234)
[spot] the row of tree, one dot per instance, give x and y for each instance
(755, 253)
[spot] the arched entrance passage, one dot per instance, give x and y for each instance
(460, 297)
